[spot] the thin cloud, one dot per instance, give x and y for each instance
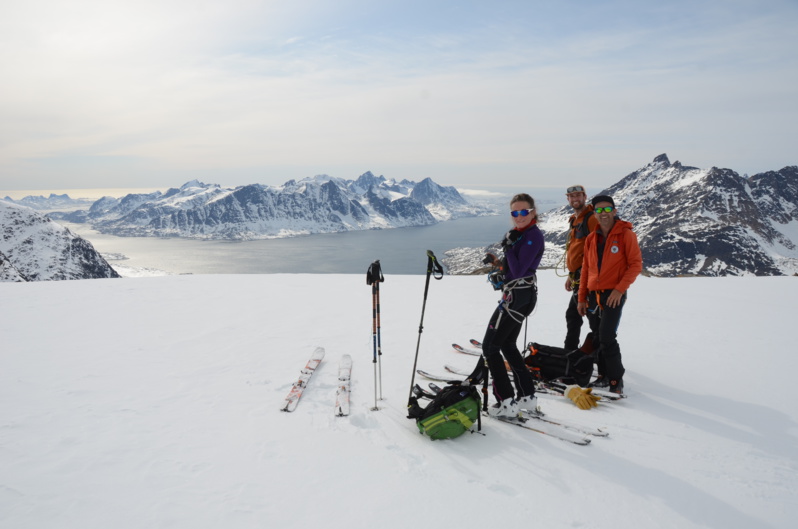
(284, 91)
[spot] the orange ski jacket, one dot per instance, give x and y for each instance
(621, 264)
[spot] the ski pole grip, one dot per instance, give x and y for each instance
(374, 273)
(434, 268)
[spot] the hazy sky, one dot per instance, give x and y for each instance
(145, 93)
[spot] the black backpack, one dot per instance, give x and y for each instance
(546, 363)
(451, 413)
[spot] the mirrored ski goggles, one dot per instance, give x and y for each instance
(606, 209)
(574, 189)
(522, 212)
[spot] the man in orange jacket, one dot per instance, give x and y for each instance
(582, 223)
(611, 263)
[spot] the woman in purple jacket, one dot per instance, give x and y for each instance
(523, 249)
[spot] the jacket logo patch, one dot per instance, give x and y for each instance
(614, 248)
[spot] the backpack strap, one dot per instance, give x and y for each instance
(582, 230)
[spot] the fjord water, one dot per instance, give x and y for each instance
(400, 250)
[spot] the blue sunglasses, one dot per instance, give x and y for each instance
(522, 212)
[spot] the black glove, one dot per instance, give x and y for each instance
(496, 278)
(510, 238)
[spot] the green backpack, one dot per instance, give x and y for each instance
(451, 413)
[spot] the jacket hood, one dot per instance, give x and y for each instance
(621, 225)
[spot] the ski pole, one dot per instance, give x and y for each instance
(435, 270)
(374, 277)
(485, 383)
(379, 336)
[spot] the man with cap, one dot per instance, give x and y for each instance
(581, 223)
(612, 261)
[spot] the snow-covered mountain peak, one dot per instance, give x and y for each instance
(35, 248)
(191, 193)
(662, 159)
(367, 181)
(693, 221)
(193, 184)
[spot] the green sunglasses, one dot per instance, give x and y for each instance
(604, 209)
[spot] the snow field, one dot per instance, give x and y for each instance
(155, 402)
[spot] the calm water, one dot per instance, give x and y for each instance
(400, 250)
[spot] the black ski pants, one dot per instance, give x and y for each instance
(604, 323)
(500, 344)
(573, 321)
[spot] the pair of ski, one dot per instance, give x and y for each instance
(551, 387)
(545, 387)
(341, 394)
(563, 430)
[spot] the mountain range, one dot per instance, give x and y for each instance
(321, 204)
(692, 222)
(51, 202)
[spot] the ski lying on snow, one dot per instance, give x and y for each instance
(568, 425)
(476, 343)
(342, 394)
(466, 372)
(546, 429)
(463, 372)
(292, 399)
(439, 378)
(464, 350)
(456, 370)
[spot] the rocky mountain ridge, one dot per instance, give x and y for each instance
(321, 204)
(34, 248)
(692, 222)
(51, 202)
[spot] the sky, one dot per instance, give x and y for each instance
(98, 94)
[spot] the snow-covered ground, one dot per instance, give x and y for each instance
(154, 402)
